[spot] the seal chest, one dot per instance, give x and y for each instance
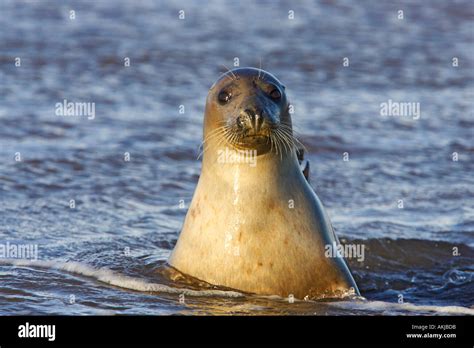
(255, 224)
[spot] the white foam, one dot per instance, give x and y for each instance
(388, 307)
(108, 276)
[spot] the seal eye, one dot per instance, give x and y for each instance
(275, 94)
(224, 97)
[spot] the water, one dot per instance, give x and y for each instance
(107, 256)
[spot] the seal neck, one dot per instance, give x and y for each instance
(222, 162)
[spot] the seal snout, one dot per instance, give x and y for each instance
(252, 119)
(256, 121)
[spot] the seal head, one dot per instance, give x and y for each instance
(251, 106)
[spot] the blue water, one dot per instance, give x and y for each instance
(127, 216)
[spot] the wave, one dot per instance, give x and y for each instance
(390, 308)
(402, 254)
(355, 304)
(110, 277)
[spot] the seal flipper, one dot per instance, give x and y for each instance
(304, 164)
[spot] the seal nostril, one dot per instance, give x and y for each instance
(240, 122)
(259, 119)
(250, 112)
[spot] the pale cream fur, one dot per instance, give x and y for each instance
(242, 230)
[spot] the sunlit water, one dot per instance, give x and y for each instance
(108, 254)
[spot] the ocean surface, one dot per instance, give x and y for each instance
(405, 192)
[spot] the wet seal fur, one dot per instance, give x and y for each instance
(259, 229)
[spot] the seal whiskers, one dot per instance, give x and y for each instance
(218, 132)
(230, 71)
